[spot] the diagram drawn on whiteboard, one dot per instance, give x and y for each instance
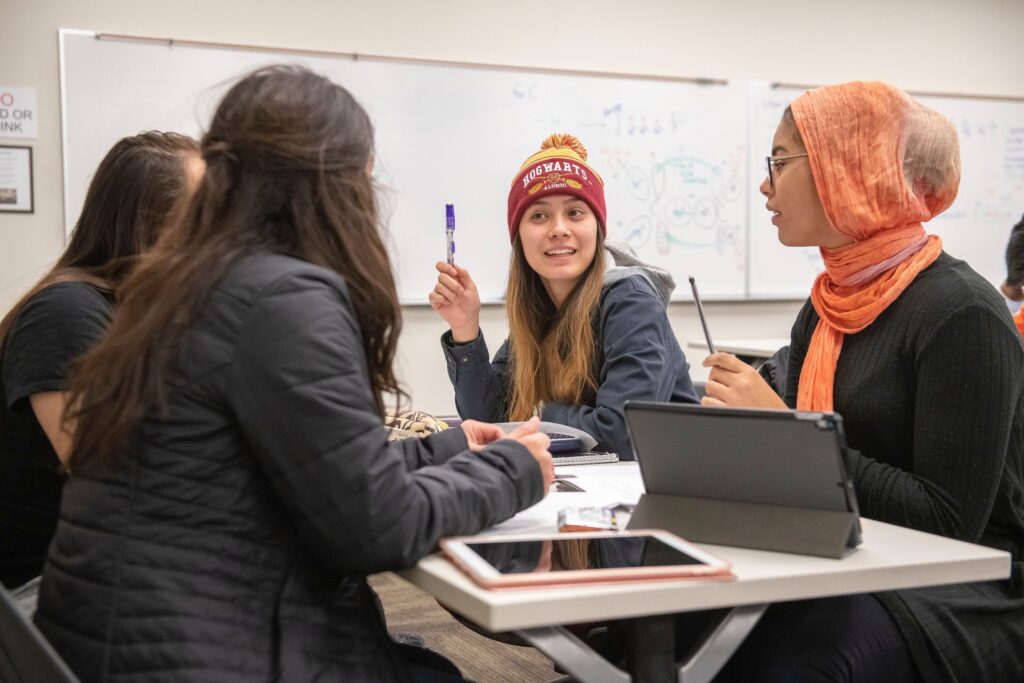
(689, 203)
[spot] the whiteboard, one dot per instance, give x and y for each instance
(776, 271)
(991, 198)
(458, 134)
(681, 161)
(975, 228)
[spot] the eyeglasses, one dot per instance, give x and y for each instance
(771, 161)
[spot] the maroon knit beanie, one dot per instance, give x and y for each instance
(558, 168)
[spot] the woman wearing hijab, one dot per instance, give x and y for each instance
(919, 355)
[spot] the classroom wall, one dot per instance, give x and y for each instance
(927, 45)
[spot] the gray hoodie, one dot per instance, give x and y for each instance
(624, 262)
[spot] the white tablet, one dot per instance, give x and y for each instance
(557, 559)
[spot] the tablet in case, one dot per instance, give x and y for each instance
(764, 479)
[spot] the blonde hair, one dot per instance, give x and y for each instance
(552, 351)
(571, 553)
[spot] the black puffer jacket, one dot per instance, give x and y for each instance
(231, 541)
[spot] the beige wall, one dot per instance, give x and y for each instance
(931, 45)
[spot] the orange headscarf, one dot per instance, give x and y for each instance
(864, 140)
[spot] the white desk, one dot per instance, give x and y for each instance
(890, 557)
(752, 348)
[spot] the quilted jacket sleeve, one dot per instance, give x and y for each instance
(300, 389)
(435, 449)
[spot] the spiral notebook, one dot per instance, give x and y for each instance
(583, 458)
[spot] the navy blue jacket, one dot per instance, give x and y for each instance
(640, 360)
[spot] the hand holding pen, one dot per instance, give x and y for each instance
(449, 233)
(455, 296)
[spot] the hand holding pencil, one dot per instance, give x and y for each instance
(731, 381)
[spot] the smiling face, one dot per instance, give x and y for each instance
(559, 238)
(793, 199)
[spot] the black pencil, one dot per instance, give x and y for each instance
(700, 312)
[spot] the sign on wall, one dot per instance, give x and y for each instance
(16, 179)
(18, 112)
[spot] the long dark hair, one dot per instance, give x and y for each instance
(136, 189)
(287, 171)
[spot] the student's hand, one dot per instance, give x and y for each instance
(479, 434)
(1012, 292)
(455, 298)
(734, 383)
(537, 443)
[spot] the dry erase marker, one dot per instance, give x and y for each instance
(700, 312)
(449, 231)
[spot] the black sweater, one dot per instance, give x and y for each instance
(931, 396)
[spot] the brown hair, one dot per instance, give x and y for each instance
(790, 120)
(288, 155)
(552, 351)
(137, 187)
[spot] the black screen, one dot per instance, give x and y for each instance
(575, 554)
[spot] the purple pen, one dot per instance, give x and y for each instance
(449, 231)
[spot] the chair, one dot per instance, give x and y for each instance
(25, 656)
(700, 387)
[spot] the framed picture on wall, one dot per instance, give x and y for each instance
(16, 179)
